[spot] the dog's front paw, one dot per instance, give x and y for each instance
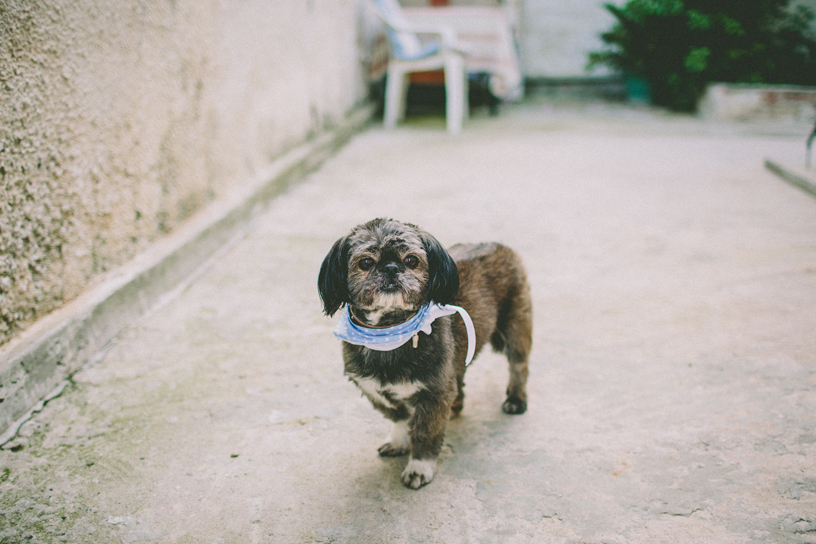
(514, 405)
(418, 473)
(392, 450)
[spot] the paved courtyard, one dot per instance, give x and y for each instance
(672, 381)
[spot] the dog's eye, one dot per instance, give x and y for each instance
(411, 261)
(366, 263)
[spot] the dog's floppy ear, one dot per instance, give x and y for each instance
(443, 276)
(332, 283)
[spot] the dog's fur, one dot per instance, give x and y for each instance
(385, 271)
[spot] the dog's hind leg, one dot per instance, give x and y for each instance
(516, 402)
(515, 335)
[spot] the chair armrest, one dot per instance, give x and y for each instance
(448, 35)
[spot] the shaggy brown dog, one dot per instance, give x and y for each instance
(386, 272)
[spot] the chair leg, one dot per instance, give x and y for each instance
(403, 109)
(455, 88)
(394, 97)
(466, 93)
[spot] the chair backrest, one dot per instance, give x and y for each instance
(391, 11)
(404, 44)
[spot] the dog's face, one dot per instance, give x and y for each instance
(385, 266)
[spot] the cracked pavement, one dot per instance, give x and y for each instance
(672, 382)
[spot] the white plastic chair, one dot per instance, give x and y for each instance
(409, 54)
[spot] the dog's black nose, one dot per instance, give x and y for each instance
(391, 270)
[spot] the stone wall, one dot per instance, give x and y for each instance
(120, 119)
(748, 102)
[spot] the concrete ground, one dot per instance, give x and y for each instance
(673, 376)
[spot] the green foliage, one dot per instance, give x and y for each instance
(679, 46)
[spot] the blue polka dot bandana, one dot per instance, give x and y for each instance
(389, 338)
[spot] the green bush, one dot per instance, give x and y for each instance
(679, 46)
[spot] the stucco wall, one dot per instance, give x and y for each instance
(119, 119)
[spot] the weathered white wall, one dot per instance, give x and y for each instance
(120, 118)
(556, 36)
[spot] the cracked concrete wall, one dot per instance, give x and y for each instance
(120, 119)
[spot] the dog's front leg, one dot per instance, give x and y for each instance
(427, 431)
(399, 442)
